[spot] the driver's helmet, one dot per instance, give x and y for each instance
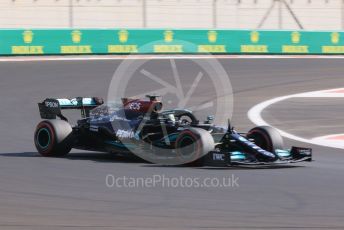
(171, 118)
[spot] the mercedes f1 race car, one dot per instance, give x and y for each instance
(169, 137)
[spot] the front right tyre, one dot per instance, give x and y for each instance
(53, 138)
(192, 144)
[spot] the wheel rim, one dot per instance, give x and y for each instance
(43, 138)
(187, 147)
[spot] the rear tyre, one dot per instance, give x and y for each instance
(53, 138)
(192, 144)
(266, 137)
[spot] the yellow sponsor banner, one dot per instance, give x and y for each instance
(295, 38)
(132, 41)
(76, 36)
(27, 50)
(212, 49)
(168, 36)
(212, 36)
(82, 49)
(28, 36)
(332, 49)
(123, 36)
(123, 49)
(295, 49)
(168, 48)
(254, 49)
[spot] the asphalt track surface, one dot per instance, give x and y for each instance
(70, 193)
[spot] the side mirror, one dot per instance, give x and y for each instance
(209, 120)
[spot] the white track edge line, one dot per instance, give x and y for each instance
(254, 114)
(327, 136)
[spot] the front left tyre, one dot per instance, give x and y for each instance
(53, 138)
(266, 137)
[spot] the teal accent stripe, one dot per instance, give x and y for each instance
(120, 145)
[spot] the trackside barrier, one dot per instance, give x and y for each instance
(120, 41)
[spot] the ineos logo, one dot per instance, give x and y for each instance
(135, 106)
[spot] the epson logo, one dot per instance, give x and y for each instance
(218, 156)
(51, 104)
(304, 151)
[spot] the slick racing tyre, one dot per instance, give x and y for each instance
(266, 137)
(53, 138)
(192, 144)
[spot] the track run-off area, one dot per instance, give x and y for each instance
(302, 97)
(322, 97)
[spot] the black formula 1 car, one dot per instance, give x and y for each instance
(170, 137)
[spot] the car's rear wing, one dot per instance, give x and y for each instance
(51, 108)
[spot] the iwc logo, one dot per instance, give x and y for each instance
(28, 36)
(212, 36)
(295, 37)
(123, 36)
(168, 36)
(335, 36)
(76, 36)
(254, 36)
